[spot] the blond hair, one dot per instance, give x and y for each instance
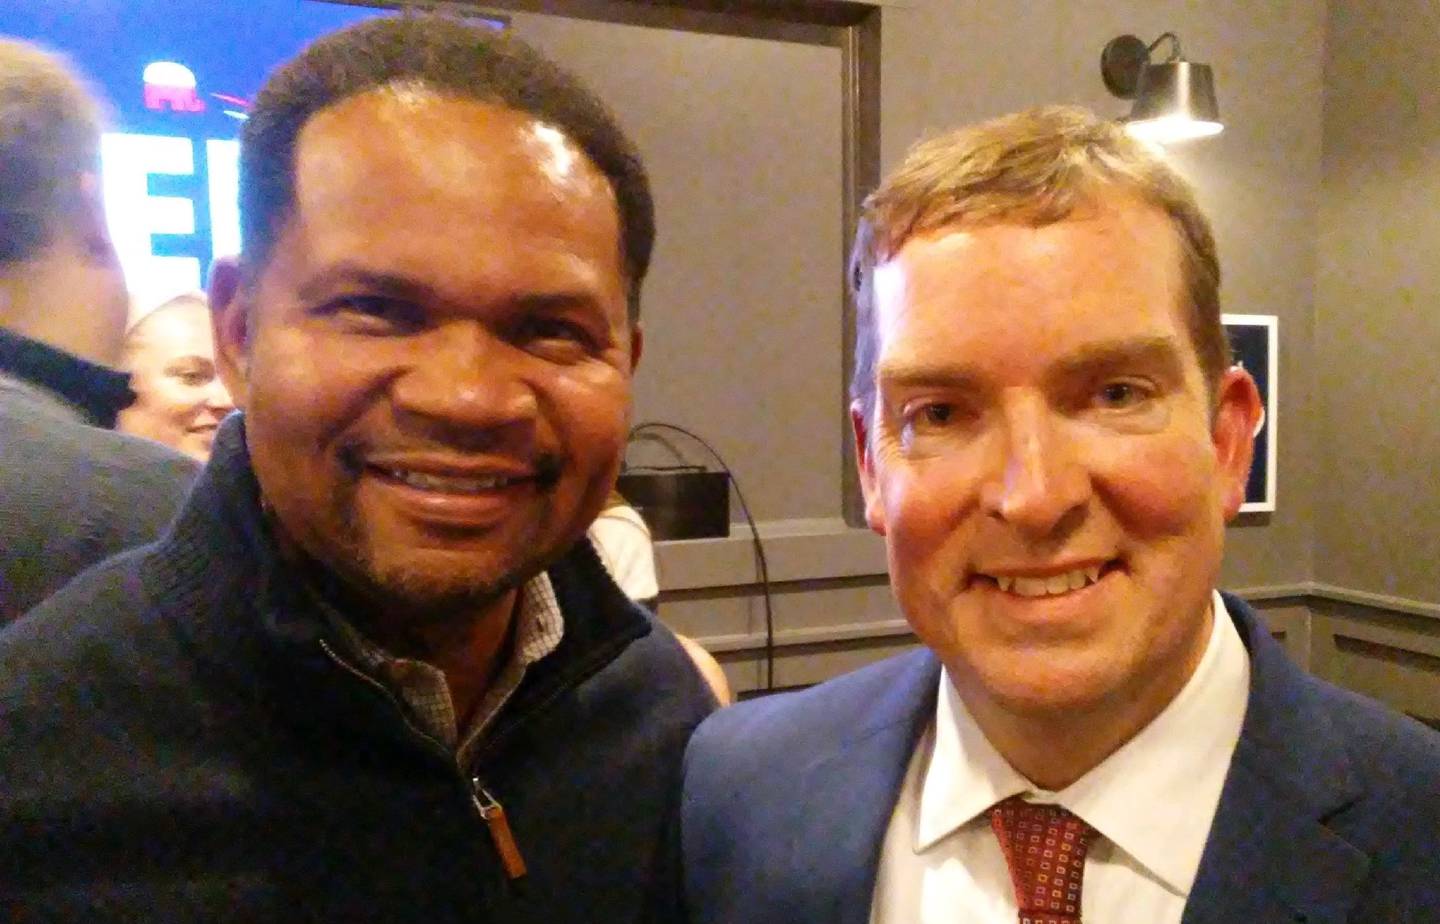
(1034, 167)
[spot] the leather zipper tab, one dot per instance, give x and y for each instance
(493, 813)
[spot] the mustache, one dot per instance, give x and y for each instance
(547, 469)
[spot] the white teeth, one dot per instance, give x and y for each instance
(452, 484)
(1048, 586)
(1030, 587)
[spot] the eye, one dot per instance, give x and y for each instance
(192, 373)
(1122, 395)
(1133, 404)
(929, 415)
(556, 329)
(937, 414)
(376, 314)
(552, 333)
(931, 426)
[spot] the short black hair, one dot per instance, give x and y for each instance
(49, 140)
(448, 56)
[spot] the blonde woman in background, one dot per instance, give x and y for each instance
(170, 355)
(623, 542)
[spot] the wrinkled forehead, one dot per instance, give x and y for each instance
(1015, 291)
(1108, 241)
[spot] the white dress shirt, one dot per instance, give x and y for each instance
(1152, 802)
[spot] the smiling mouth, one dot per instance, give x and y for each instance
(450, 484)
(1050, 585)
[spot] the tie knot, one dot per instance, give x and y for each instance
(1044, 846)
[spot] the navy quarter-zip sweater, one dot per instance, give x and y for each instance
(176, 744)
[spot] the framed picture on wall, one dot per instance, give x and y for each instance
(1255, 340)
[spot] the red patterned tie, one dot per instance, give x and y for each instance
(1044, 846)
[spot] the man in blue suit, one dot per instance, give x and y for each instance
(1051, 438)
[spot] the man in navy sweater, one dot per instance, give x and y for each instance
(373, 671)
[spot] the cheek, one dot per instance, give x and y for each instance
(591, 409)
(180, 398)
(924, 509)
(296, 398)
(1163, 489)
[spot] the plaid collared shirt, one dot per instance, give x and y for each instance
(422, 688)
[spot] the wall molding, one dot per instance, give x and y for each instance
(1305, 591)
(1264, 592)
(817, 635)
(1377, 601)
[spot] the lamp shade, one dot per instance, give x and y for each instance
(1175, 101)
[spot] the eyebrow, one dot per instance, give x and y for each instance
(342, 274)
(398, 286)
(905, 374)
(1162, 354)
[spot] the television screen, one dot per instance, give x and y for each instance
(178, 77)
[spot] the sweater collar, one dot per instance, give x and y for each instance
(99, 393)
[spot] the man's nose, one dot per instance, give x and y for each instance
(217, 398)
(1039, 482)
(466, 377)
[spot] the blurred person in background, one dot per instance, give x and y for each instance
(622, 539)
(179, 397)
(71, 491)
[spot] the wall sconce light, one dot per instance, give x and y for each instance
(1174, 100)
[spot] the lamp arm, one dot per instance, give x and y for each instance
(1175, 54)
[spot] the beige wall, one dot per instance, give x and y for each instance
(1377, 526)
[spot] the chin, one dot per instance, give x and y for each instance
(436, 598)
(437, 584)
(197, 446)
(1050, 683)
(1049, 701)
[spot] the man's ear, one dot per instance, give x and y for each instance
(91, 225)
(230, 325)
(637, 344)
(1238, 415)
(865, 464)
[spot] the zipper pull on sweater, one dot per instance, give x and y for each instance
(493, 814)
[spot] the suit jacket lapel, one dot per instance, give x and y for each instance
(1270, 855)
(847, 796)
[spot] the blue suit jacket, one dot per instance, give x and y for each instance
(1330, 811)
